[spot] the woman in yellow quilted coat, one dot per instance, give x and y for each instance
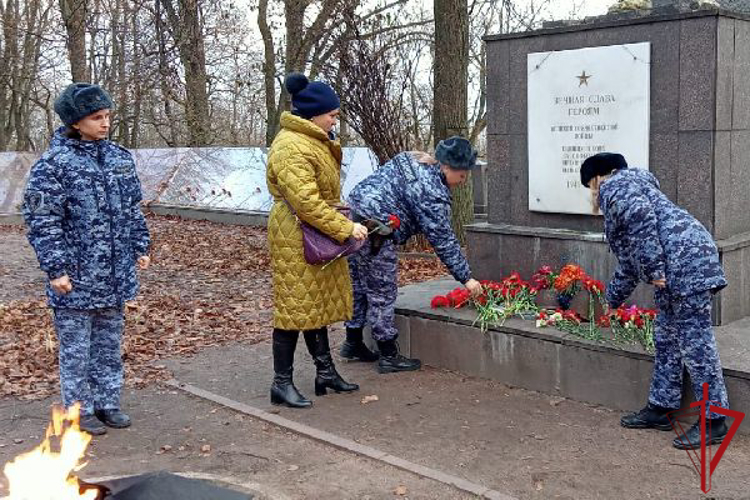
(303, 177)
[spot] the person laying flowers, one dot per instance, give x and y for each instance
(411, 195)
(659, 243)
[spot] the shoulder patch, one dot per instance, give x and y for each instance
(35, 201)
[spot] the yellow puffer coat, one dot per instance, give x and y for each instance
(304, 168)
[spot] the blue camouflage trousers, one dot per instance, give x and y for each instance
(684, 336)
(375, 283)
(90, 359)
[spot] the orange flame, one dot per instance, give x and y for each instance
(44, 474)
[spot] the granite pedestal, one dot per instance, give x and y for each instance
(699, 146)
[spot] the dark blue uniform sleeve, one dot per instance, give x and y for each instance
(43, 211)
(635, 215)
(434, 216)
(139, 231)
(621, 285)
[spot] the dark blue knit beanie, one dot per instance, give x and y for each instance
(457, 153)
(601, 164)
(310, 98)
(79, 100)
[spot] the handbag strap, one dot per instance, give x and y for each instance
(291, 209)
(294, 212)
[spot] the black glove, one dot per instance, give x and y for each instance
(379, 233)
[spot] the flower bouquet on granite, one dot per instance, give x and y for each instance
(501, 300)
(568, 283)
(505, 299)
(629, 325)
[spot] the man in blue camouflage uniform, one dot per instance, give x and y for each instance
(82, 208)
(415, 188)
(659, 243)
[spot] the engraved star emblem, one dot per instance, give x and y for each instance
(583, 79)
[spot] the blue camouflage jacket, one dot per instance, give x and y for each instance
(82, 209)
(419, 196)
(653, 238)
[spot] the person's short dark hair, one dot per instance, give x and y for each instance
(71, 133)
(601, 164)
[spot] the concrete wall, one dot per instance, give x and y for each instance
(699, 146)
(547, 360)
(700, 111)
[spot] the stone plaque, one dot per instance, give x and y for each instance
(582, 102)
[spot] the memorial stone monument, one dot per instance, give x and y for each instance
(669, 88)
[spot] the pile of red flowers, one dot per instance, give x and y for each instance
(567, 282)
(509, 289)
(457, 298)
(593, 286)
(629, 317)
(544, 318)
(543, 278)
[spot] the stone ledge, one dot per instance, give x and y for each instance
(221, 216)
(605, 21)
(548, 360)
(11, 220)
(725, 245)
(543, 232)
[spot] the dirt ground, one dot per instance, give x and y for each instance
(524, 444)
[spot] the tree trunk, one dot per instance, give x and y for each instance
(269, 72)
(188, 32)
(138, 83)
(451, 93)
(166, 93)
(9, 64)
(74, 20)
(119, 85)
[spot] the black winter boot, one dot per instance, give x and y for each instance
(283, 391)
(354, 348)
(326, 376)
(117, 419)
(716, 431)
(92, 425)
(650, 417)
(392, 361)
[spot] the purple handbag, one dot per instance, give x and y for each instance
(321, 248)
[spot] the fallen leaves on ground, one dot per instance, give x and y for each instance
(419, 269)
(209, 284)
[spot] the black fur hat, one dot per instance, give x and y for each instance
(79, 100)
(457, 153)
(601, 164)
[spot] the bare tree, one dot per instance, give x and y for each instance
(451, 92)
(300, 43)
(187, 29)
(74, 20)
(23, 23)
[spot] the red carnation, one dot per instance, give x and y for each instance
(439, 301)
(394, 221)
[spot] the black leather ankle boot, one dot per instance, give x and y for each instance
(326, 376)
